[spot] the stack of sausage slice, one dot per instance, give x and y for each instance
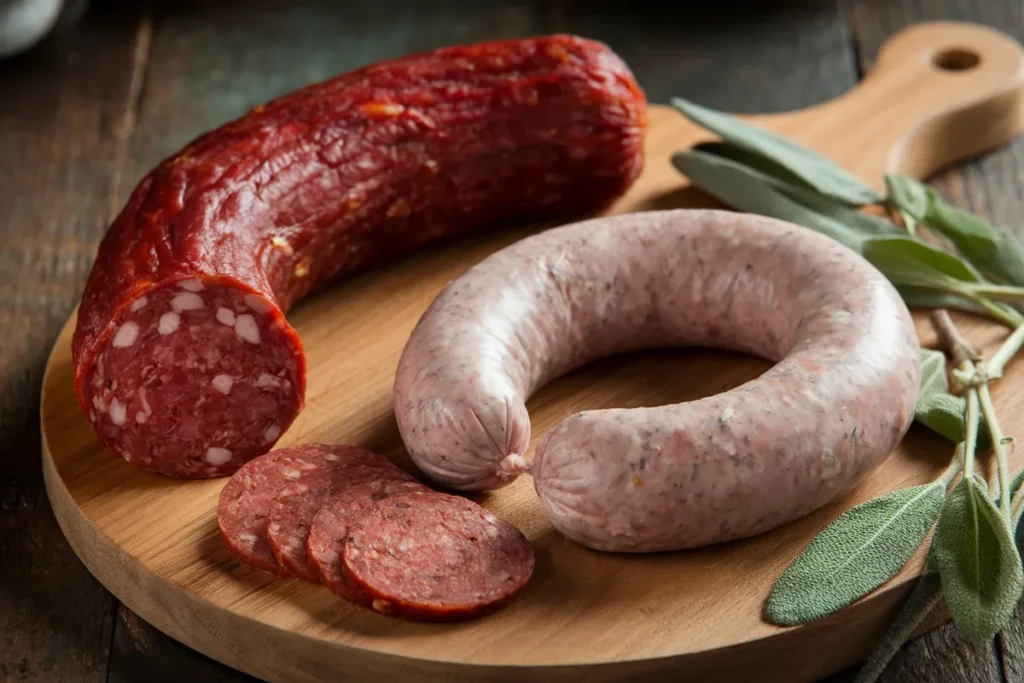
(353, 521)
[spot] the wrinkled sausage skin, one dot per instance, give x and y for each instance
(184, 362)
(838, 400)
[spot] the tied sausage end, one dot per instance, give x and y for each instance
(512, 466)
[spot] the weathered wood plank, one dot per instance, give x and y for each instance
(141, 653)
(732, 55)
(61, 125)
(940, 656)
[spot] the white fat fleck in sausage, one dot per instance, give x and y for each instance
(838, 400)
(272, 433)
(282, 244)
(141, 417)
(191, 285)
(223, 383)
(118, 412)
(246, 329)
(139, 304)
(187, 301)
(126, 334)
(266, 381)
(217, 456)
(257, 303)
(225, 316)
(168, 323)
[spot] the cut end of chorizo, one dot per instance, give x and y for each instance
(195, 379)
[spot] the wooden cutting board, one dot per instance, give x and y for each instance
(940, 93)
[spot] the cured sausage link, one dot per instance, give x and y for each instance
(838, 400)
(184, 362)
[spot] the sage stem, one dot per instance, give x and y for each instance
(999, 292)
(971, 438)
(1003, 314)
(954, 343)
(1008, 350)
(996, 433)
(955, 465)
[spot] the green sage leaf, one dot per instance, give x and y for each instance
(936, 408)
(747, 190)
(863, 223)
(918, 605)
(762, 164)
(862, 549)
(920, 297)
(908, 195)
(793, 187)
(933, 372)
(978, 562)
(908, 261)
(943, 414)
(813, 169)
(991, 250)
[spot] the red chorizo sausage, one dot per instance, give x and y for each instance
(184, 362)
(839, 399)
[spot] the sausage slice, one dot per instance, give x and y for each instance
(289, 519)
(432, 556)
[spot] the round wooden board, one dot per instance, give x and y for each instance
(585, 615)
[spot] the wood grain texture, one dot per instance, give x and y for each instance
(606, 617)
(139, 652)
(62, 108)
(1011, 650)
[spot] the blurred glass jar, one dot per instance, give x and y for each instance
(23, 23)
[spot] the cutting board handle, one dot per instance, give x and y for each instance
(939, 93)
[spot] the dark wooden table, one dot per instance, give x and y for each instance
(88, 111)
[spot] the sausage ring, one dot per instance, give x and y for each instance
(838, 400)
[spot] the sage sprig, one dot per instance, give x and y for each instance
(909, 197)
(907, 260)
(974, 561)
(751, 191)
(992, 250)
(814, 170)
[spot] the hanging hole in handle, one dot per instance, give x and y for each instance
(956, 59)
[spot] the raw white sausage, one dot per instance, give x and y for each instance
(839, 399)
